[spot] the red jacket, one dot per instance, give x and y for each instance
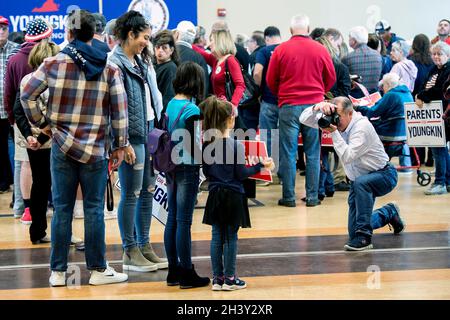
(16, 69)
(218, 76)
(300, 72)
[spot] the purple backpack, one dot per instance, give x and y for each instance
(160, 144)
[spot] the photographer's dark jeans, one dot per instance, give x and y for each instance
(182, 189)
(363, 191)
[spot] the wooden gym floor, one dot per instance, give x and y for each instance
(289, 253)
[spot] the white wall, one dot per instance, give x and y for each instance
(407, 18)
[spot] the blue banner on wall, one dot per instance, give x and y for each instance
(162, 14)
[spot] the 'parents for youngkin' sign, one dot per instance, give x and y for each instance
(425, 126)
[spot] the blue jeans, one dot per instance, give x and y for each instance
(268, 120)
(442, 165)
(326, 183)
(182, 188)
(135, 207)
(290, 127)
(224, 250)
(363, 191)
(66, 175)
(19, 206)
(405, 159)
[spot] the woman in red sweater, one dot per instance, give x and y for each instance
(223, 49)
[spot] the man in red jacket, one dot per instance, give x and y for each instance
(300, 73)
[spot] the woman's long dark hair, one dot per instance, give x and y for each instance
(166, 37)
(135, 22)
(421, 50)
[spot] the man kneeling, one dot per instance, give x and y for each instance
(366, 165)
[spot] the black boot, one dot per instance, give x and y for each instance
(173, 277)
(190, 279)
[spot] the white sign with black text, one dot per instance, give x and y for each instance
(425, 126)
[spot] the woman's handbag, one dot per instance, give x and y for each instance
(251, 93)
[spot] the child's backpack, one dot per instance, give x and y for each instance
(160, 144)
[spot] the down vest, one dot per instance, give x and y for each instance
(135, 90)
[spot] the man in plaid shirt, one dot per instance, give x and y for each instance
(87, 105)
(364, 61)
(7, 49)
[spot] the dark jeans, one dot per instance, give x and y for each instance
(67, 174)
(182, 188)
(40, 171)
(361, 199)
(326, 182)
(224, 250)
(6, 176)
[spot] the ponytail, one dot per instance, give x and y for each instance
(215, 114)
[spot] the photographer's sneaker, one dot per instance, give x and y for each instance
(108, 276)
(359, 243)
(396, 221)
(217, 283)
(57, 279)
(233, 284)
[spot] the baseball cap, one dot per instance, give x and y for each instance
(382, 26)
(3, 20)
(186, 27)
(37, 30)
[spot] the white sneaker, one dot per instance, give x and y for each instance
(57, 279)
(49, 213)
(110, 214)
(75, 240)
(106, 277)
(78, 212)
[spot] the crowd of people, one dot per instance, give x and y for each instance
(78, 111)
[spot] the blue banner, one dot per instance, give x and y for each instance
(161, 14)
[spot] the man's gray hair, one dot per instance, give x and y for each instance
(442, 46)
(401, 46)
(109, 28)
(359, 34)
(391, 80)
(346, 103)
(186, 37)
(300, 21)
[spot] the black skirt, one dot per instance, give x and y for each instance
(226, 207)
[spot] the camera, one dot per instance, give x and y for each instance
(326, 120)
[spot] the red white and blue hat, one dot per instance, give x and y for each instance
(37, 30)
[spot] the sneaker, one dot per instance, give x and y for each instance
(49, 213)
(405, 172)
(217, 283)
(261, 183)
(149, 254)
(108, 215)
(78, 212)
(359, 243)
(45, 239)
(108, 276)
(133, 260)
(287, 203)
(79, 244)
(233, 284)
(26, 217)
(17, 215)
(436, 189)
(75, 240)
(57, 279)
(396, 221)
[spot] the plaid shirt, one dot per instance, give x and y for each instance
(81, 113)
(367, 63)
(6, 52)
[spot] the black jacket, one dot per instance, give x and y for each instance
(343, 83)
(165, 74)
(188, 54)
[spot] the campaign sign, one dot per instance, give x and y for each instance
(160, 206)
(368, 101)
(52, 11)
(327, 140)
(425, 126)
(256, 152)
